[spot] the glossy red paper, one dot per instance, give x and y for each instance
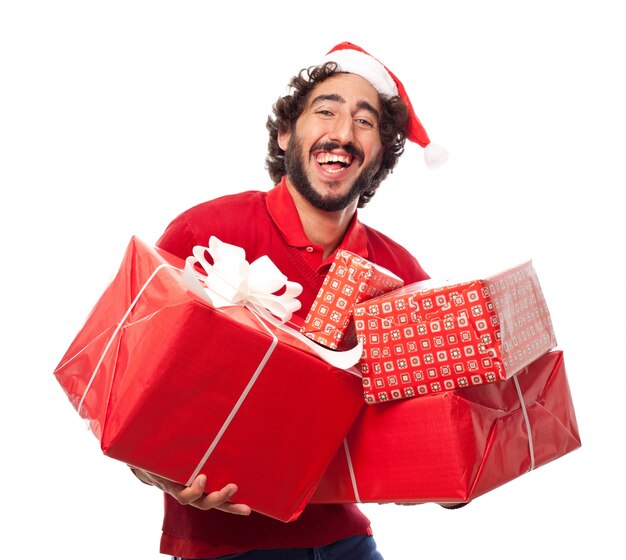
(159, 383)
(456, 445)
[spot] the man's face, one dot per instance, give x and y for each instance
(335, 148)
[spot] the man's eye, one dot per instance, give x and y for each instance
(324, 112)
(365, 122)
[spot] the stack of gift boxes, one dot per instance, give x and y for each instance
(459, 388)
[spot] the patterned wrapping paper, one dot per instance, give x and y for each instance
(350, 280)
(457, 445)
(429, 337)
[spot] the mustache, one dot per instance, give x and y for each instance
(330, 146)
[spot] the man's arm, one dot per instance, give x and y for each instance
(194, 495)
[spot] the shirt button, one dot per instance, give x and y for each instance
(310, 249)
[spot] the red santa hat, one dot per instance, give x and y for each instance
(355, 60)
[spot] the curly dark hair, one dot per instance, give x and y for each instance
(287, 109)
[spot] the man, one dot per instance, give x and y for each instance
(333, 139)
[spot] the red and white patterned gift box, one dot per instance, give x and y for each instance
(350, 280)
(429, 337)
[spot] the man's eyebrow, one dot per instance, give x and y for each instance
(367, 107)
(338, 99)
(328, 97)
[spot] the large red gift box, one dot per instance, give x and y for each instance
(456, 445)
(351, 279)
(429, 337)
(176, 387)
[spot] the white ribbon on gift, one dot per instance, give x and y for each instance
(531, 449)
(232, 280)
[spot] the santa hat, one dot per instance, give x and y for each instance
(355, 60)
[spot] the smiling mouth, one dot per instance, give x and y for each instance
(332, 162)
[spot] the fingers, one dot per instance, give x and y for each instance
(236, 509)
(454, 505)
(189, 494)
(194, 496)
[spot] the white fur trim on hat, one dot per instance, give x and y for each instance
(435, 155)
(366, 66)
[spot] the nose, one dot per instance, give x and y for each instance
(342, 130)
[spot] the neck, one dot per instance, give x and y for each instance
(322, 228)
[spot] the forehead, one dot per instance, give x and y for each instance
(351, 87)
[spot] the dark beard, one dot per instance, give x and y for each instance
(295, 171)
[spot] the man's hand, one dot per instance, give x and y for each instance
(453, 505)
(194, 495)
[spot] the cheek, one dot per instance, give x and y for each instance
(375, 150)
(311, 131)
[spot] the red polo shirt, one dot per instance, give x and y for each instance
(267, 223)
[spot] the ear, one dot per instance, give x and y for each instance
(283, 140)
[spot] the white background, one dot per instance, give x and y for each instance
(116, 116)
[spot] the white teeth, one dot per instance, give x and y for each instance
(333, 158)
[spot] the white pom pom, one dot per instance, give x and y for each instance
(435, 155)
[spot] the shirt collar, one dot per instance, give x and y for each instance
(283, 211)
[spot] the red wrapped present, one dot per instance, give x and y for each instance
(351, 279)
(429, 337)
(456, 445)
(177, 387)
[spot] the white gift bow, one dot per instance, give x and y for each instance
(231, 280)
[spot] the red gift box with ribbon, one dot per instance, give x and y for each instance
(457, 445)
(177, 386)
(431, 336)
(351, 279)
